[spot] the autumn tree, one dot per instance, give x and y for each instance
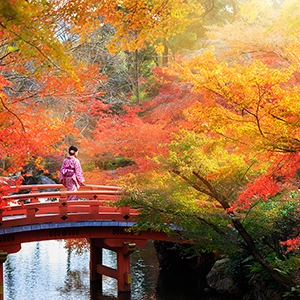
(138, 24)
(237, 155)
(29, 130)
(38, 39)
(217, 146)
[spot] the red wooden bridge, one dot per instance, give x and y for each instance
(45, 213)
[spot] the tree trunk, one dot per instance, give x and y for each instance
(136, 75)
(282, 280)
(165, 58)
(208, 189)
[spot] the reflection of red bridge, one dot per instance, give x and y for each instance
(49, 215)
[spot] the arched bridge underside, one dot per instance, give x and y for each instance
(114, 234)
(45, 213)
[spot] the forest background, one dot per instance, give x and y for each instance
(192, 106)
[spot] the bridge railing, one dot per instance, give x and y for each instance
(43, 187)
(94, 203)
(42, 192)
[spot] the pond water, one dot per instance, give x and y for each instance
(47, 271)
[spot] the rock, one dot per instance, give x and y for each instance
(45, 180)
(219, 280)
(180, 271)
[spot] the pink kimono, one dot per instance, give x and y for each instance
(73, 178)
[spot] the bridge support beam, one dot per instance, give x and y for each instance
(3, 257)
(121, 274)
(95, 277)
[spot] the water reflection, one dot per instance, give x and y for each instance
(73, 280)
(43, 271)
(46, 271)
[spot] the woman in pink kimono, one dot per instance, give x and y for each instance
(71, 173)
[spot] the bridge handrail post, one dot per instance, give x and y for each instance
(125, 211)
(34, 189)
(63, 204)
(30, 212)
(94, 207)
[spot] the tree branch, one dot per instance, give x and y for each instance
(30, 44)
(11, 112)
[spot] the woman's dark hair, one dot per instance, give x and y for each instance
(72, 150)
